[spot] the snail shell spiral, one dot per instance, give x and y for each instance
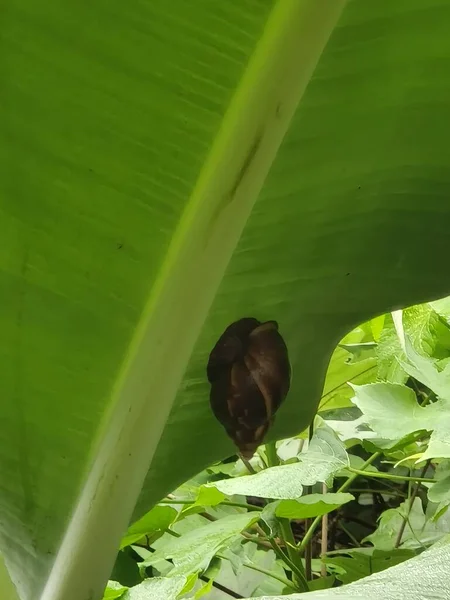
(249, 373)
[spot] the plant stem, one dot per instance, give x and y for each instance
(172, 532)
(278, 550)
(333, 391)
(343, 488)
(248, 464)
(283, 580)
(308, 548)
(391, 476)
(248, 565)
(271, 453)
(411, 503)
(375, 491)
(352, 519)
(285, 558)
(206, 579)
(256, 540)
(324, 541)
(225, 502)
(286, 531)
(260, 539)
(349, 535)
(221, 587)
(295, 559)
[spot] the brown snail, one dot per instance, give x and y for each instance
(250, 374)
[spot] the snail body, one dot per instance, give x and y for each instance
(250, 374)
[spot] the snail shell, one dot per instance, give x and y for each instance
(250, 374)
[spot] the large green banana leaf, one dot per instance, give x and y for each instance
(136, 138)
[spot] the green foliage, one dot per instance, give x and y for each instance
(152, 524)
(194, 550)
(384, 466)
(440, 491)
(325, 455)
(419, 532)
(356, 564)
(156, 588)
(392, 411)
(425, 576)
(312, 505)
(150, 197)
(114, 590)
